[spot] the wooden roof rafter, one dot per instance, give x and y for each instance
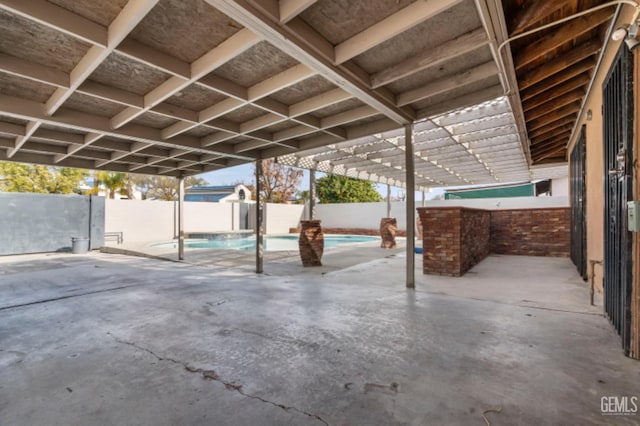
(555, 64)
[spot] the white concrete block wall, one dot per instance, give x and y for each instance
(560, 187)
(503, 203)
(154, 221)
(359, 215)
(141, 221)
(367, 215)
(208, 217)
(280, 217)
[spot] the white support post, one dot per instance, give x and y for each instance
(259, 248)
(411, 204)
(388, 200)
(312, 194)
(423, 199)
(181, 218)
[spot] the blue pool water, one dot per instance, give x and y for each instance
(274, 243)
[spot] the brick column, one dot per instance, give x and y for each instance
(311, 242)
(388, 228)
(454, 239)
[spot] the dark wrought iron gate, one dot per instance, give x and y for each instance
(578, 204)
(618, 142)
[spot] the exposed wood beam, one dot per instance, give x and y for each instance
(551, 133)
(225, 51)
(327, 124)
(58, 18)
(555, 157)
(554, 116)
(551, 151)
(219, 109)
(559, 36)
(56, 136)
(554, 104)
(87, 140)
(462, 101)
(252, 94)
(318, 102)
(311, 50)
(111, 94)
(581, 68)
(12, 129)
(562, 62)
(534, 12)
(154, 58)
(561, 137)
(130, 15)
(289, 9)
(30, 128)
(390, 27)
(249, 145)
(36, 72)
(279, 81)
(568, 120)
(446, 84)
(90, 123)
(187, 119)
(353, 132)
(223, 86)
(348, 116)
(555, 161)
(431, 58)
(575, 83)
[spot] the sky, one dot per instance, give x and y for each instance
(244, 174)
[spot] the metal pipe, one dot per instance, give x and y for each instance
(259, 251)
(312, 193)
(562, 21)
(181, 218)
(411, 205)
(592, 265)
(388, 200)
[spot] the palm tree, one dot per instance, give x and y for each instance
(113, 181)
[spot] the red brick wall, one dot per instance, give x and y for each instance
(454, 238)
(475, 236)
(352, 231)
(531, 232)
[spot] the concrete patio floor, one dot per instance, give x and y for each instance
(117, 340)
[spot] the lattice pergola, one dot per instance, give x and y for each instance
(473, 145)
(181, 87)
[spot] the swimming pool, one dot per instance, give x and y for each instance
(271, 243)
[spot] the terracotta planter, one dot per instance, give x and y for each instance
(388, 228)
(311, 242)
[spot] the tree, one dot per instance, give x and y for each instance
(112, 182)
(302, 197)
(342, 189)
(15, 177)
(279, 182)
(162, 187)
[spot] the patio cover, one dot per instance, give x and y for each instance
(182, 87)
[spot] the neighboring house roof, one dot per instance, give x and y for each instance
(218, 193)
(226, 189)
(528, 189)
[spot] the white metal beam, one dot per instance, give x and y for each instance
(432, 57)
(390, 27)
(224, 52)
(289, 9)
(130, 15)
(291, 43)
(446, 84)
